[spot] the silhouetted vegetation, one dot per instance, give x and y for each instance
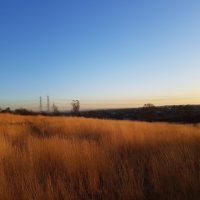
(75, 107)
(148, 105)
(6, 110)
(23, 111)
(181, 113)
(55, 109)
(149, 112)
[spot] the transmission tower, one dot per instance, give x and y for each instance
(48, 104)
(40, 104)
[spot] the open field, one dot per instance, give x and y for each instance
(78, 158)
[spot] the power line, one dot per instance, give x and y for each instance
(48, 104)
(40, 104)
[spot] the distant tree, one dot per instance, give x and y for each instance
(55, 109)
(7, 110)
(75, 106)
(149, 105)
(23, 111)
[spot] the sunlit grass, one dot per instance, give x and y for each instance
(78, 158)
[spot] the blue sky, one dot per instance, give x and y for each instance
(100, 50)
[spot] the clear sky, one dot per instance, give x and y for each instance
(100, 49)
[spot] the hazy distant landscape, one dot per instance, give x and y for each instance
(173, 113)
(77, 158)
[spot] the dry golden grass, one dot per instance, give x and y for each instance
(76, 158)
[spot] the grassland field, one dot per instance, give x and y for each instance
(71, 158)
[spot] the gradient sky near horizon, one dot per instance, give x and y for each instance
(100, 50)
